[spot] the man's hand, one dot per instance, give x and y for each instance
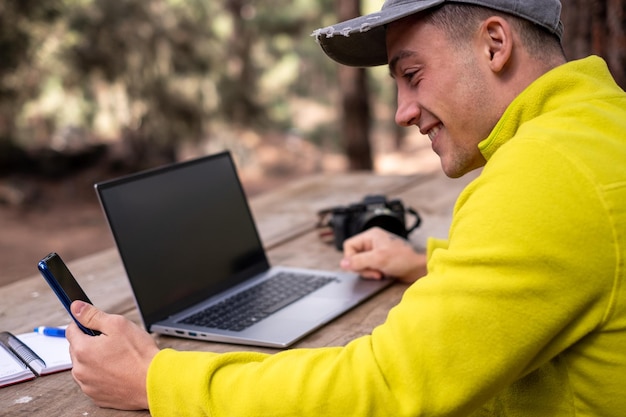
(376, 253)
(111, 368)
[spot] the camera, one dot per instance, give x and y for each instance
(374, 210)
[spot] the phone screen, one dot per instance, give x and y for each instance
(63, 284)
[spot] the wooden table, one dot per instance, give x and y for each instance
(286, 218)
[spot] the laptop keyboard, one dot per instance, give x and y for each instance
(248, 307)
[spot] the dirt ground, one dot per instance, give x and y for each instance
(64, 215)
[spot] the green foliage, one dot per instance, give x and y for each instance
(154, 73)
(23, 32)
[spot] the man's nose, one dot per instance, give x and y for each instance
(408, 111)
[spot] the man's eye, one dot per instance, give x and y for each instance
(409, 76)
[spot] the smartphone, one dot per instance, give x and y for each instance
(64, 285)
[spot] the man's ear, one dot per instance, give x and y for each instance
(496, 38)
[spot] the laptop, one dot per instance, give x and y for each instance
(196, 263)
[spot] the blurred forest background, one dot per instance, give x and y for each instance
(93, 89)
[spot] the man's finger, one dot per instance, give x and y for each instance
(88, 315)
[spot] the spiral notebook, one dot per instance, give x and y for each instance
(194, 259)
(29, 355)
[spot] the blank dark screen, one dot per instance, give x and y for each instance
(184, 232)
(66, 280)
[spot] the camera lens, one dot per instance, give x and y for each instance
(389, 223)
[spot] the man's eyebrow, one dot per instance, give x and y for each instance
(394, 61)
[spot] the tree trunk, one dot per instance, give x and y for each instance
(242, 86)
(356, 120)
(597, 27)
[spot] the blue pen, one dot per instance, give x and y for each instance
(50, 331)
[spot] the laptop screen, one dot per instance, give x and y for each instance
(184, 233)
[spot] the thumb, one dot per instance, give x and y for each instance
(362, 264)
(356, 262)
(88, 315)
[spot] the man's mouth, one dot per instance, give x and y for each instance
(433, 132)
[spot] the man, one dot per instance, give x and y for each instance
(523, 309)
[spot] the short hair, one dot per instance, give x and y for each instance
(460, 20)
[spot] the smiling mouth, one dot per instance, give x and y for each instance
(433, 132)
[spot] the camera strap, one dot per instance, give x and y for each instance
(324, 226)
(416, 221)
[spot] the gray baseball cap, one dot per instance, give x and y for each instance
(360, 42)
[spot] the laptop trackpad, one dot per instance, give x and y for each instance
(311, 309)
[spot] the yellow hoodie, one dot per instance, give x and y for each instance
(523, 310)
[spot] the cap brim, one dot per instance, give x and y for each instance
(360, 42)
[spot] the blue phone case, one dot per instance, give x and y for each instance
(64, 285)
